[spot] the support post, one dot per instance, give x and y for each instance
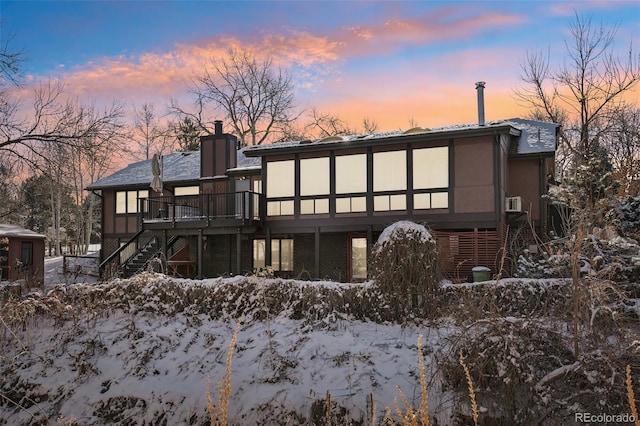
(268, 261)
(238, 252)
(200, 254)
(317, 253)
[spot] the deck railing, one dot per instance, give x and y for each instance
(232, 205)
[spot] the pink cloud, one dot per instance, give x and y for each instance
(444, 24)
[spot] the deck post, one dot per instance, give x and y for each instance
(316, 270)
(268, 261)
(165, 241)
(199, 254)
(238, 252)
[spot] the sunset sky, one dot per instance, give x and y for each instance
(388, 61)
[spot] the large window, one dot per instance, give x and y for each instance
(431, 168)
(281, 254)
(430, 174)
(314, 182)
(390, 175)
(280, 179)
(351, 174)
(280, 184)
(127, 201)
(314, 176)
(390, 171)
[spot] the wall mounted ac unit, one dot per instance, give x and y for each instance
(513, 204)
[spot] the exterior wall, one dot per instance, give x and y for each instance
(303, 256)
(219, 255)
(524, 181)
(333, 257)
(108, 211)
(474, 190)
(36, 270)
(477, 174)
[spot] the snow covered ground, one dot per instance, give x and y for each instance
(145, 351)
(149, 367)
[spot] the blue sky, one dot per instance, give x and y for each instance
(390, 61)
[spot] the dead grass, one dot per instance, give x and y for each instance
(630, 395)
(218, 414)
(472, 392)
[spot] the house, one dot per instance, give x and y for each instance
(21, 254)
(313, 209)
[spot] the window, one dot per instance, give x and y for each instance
(390, 171)
(186, 190)
(351, 173)
(127, 201)
(314, 176)
(280, 208)
(351, 205)
(358, 258)
(281, 254)
(27, 253)
(280, 183)
(280, 179)
(433, 200)
(257, 186)
(383, 203)
(431, 168)
(259, 253)
(430, 174)
(314, 206)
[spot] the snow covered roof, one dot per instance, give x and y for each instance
(532, 137)
(177, 167)
(537, 137)
(7, 230)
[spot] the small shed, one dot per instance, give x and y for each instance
(21, 254)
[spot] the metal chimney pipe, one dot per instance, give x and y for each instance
(217, 127)
(480, 89)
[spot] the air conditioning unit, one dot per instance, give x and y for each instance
(513, 204)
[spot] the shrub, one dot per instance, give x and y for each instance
(404, 267)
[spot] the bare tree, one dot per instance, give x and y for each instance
(255, 96)
(149, 134)
(582, 95)
(623, 143)
(323, 124)
(54, 119)
(586, 88)
(9, 207)
(10, 61)
(369, 126)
